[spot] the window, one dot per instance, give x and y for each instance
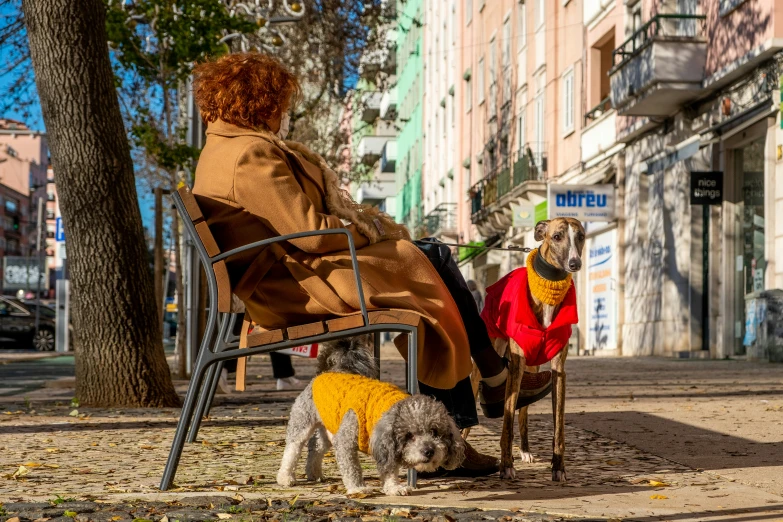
(538, 146)
(568, 101)
(480, 82)
(727, 6)
(468, 95)
(493, 56)
(506, 49)
(521, 27)
(521, 130)
(468, 11)
(540, 13)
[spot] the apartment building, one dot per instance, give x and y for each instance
(409, 123)
(440, 162)
(696, 89)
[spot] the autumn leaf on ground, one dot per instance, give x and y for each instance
(21, 472)
(74, 413)
(223, 516)
(32, 464)
(658, 497)
(52, 450)
(659, 484)
(358, 495)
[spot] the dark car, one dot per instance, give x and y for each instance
(17, 323)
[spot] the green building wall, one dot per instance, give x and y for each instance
(410, 72)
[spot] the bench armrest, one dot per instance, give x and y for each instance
(331, 231)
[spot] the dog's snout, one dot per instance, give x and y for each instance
(429, 451)
(574, 264)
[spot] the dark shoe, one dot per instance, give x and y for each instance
(474, 465)
(534, 387)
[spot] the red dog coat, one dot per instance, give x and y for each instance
(507, 314)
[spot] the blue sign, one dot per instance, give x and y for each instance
(582, 202)
(59, 233)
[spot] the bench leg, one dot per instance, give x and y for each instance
(207, 391)
(196, 381)
(413, 381)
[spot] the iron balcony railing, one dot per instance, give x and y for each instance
(525, 166)
(599, 110)
(672, 25)
(441, 220)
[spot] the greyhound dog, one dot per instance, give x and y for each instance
(559, 256)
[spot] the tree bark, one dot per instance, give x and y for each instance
(119, 350)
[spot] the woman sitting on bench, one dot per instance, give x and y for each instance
(253, 185)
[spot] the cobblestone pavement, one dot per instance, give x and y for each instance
(49, 447)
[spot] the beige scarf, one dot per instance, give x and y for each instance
(371, 222)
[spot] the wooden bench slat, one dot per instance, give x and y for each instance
(224, 286)
(394, 317)
(345, 323)
(306, 330)
(191, 205)
(207, 239)
(264, 337)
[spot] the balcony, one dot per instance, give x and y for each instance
(370, 106)
(660, 67)
(389, 156)
(440, 222)
(600, 131)
(388, 109)
(376, 191)
(505, 184)
(370, 148)
(382, 59)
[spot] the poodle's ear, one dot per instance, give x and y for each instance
(456, 447)
(385, 448)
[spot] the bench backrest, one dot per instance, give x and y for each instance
(210, 245)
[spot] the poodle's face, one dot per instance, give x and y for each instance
(423, 435)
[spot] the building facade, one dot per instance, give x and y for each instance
(409, 122)
(651, 97)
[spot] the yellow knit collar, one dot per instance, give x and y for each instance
(546, 291)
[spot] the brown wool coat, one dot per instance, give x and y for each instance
(252, 186)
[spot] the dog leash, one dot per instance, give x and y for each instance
(462, 245)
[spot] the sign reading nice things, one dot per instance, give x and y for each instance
(582, 202)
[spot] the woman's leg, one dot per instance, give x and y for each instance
(487, 360)
(281, 365)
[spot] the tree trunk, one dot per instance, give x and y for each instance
(119, 350)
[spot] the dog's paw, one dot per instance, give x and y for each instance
(508, 473)
(285, 479)
(363, 490)
(398, 490)
(526, 456)
(315, 478)
(558, 475)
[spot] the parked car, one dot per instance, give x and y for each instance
(17, 323)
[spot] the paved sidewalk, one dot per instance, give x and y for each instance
(647, 439)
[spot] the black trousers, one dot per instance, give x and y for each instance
(281, 362)
(459, 401)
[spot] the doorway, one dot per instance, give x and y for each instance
(747, 232)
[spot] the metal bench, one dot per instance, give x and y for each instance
(219, 345)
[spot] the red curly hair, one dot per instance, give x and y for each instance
(244, 89)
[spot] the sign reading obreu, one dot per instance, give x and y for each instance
(582, 202)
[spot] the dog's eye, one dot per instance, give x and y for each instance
(581, 237)
(435, 433)
(557, 237)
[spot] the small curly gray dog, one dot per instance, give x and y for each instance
(346, 406)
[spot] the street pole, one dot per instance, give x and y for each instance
(158, 253)
(38, 245)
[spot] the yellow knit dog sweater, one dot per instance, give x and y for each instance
(548, 292)
(336, 393)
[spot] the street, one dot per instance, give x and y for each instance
(646, 439)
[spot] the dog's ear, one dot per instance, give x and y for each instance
(541, 228)
(385, 445)
(456, 447)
